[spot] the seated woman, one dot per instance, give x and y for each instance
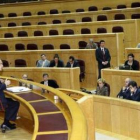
(101, 88)
(131, 63)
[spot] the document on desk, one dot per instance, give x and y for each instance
(17, 89)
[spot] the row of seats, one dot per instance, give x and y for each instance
(14, 1)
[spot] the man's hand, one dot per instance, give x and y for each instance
(7, 82)
(106, 62)
(103, 63)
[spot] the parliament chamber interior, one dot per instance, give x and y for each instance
(50, 64)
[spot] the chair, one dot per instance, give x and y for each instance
(102, 18)
(53, 32)
(82, 69)
(121, 6)
(20, 63)
(22, 34)
(68, 32)
(70, 21)
(12, 15)
(64, 46)
(135, 16)
(82, 44)
(117, 29)
(27, 14)
(119, 16)
(80, 10)
(1, 16)
(41, 13)
(32, 47)
(85, 31)
(5, 63)
(42, 23)
(3, 47)
(26, 24)
(135, 4)
(107, 8)
(19, 47)
(56, 21)
(92, 8)
(101, 30)
(8, 35)
(54, 11)
(11, 24)
(38, 33)
(65, 11)
(48, 47)
(86, 19)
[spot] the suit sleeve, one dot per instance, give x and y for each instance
(136, 65)
(55, 85)
(109, 57)
(98, 56)
(67, 64)
(2, 87)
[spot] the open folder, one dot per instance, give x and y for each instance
(18, 89)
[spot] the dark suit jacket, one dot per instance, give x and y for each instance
(60, 63)
(76, 64)
(135, 65)
(125, 94)
(2, 96)
(51, 83)
(99, 57)
(135, 96)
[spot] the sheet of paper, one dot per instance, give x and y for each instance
(18, 89)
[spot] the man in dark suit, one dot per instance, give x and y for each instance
(48, 82)
(103, 57)
(72, 62)
(10, 106)
(135, 91)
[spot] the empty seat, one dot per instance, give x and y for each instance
(3, 47)
(86, 19)
(119, 17)
(54, 11)
(42, 23)
(82, 44)
(107, 8)
(11, 24)
(1, 16)
(117, 29)
(48, 47)
(41, 13)
(101, 30)
(121, 6)
(92, 8)
(12, 15)
(80, 10)
(5, 63)
(85, 31)
(56, 21)
(135, 16)
(27, 14)
(70, 21)
(53, 32)
(20, 63)
(8, 35)
(19, 47)
(102, 18)
(38, 33)
(68, 32)
(22, 34)
(26, 24)
(65, 11)
(135, 4)
(32, 47)
(64, 46)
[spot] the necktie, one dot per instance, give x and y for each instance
(103, 53)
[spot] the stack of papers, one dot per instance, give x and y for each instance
(18, 89)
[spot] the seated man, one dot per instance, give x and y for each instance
(25, 77)
(43, 62)
(125, 91)
(91, 44)
(48, 82)
(10, 106)
(135, 91)
(56, 62)
(72, 62)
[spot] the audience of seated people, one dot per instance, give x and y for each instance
(43, 62)
(102, 89)
(56, 62)
(131, 63)
(72, 62)
(91, 44)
